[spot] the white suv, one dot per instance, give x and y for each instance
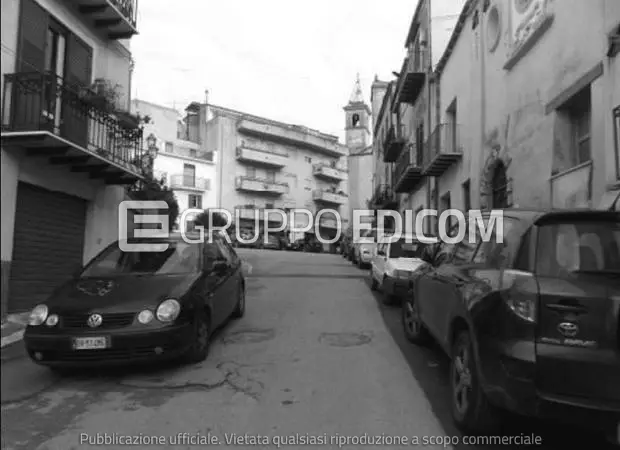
(394, 266)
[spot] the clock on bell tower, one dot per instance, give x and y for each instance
(357, 116)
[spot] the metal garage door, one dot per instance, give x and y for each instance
(48, 244)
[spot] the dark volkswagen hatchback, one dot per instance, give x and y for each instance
(137, 306)
(531, 324)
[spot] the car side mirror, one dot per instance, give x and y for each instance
(219, 267)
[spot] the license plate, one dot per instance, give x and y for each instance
(90, 343)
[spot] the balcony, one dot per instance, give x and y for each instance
(325, 196)
(393, 144)
(118, 18)
(384, 198)
(294, 135)
(260, 186)
(188, 149)
(328, 172)
(411, 81)
(188, 183)
(328, 223)
(261, 158)
(247, 212)
(443, 149)
(46, 118)
(408, 170)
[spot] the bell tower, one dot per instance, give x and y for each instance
(357, 116)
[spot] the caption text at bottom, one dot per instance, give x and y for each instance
(298, 439)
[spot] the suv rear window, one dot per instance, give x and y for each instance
(589, 245)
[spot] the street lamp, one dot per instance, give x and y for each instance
(151, 143)
(151, 153)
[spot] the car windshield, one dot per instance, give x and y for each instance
(584, 246)
(404, 249)
(179, 257)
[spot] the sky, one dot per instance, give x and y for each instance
(279, 59)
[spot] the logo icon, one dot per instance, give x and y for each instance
(568, 329)
(143, 212)
(94, 320)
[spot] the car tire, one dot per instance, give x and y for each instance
(239, 311)
(199, 350)
(471, 409)
(415, 331)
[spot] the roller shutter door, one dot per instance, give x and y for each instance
(48, 244)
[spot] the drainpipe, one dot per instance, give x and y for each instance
(483, 111)
(429, 72)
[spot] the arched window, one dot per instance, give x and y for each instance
(355, 120)
(499, 187)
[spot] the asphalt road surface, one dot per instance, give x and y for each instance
(316, 358)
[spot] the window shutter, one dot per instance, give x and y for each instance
(79, 62)
(32, 37)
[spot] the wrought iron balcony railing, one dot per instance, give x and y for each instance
(34, 101)
(384, 195)
(443, 149)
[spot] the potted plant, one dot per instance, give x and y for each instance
(102, 95)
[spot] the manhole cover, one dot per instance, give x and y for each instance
(248, 336)
(345, 339)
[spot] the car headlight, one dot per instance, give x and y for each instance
(38, 315)
(168, 310)
(145, 316)
(52, 320)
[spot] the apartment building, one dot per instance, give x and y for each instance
(530, 105)
(265, 164)
(403, 124)
(67, 155)
(183, 162)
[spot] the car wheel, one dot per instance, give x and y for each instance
(374, 285)
(240, 308)
(414, 329)
(471, 410)
(199, 349)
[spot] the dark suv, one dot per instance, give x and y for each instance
(531, 324)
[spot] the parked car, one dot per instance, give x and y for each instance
(363, 252)
(531, 324)
(394, 267)
(297, 245)
(137, 306)
(272, 243)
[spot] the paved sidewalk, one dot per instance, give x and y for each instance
(13, 328)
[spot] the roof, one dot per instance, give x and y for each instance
(357, 96)
(415, 24)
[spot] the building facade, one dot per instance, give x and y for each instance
(515, 110)
(186, 166)
(265, 164)
(67, 156)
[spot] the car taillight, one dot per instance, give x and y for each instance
(519, 290)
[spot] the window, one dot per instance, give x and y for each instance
(269, 205)
(193, 153)
(223, 251)
(446, 204)
(355, 120)
(250, 172)
(467, 195)
(169, 147)
(404, 249)
(499, 255)
(585, 245)
(271, 176)
(308, 159)
(578, 112)
(207, 184)
(195, 201)
(189, 175)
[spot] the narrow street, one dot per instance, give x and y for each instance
(315, 356)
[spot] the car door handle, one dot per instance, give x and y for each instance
(564, 307)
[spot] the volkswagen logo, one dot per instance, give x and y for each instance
(568, 329)
(94, 321)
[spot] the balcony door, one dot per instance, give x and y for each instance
(77, 75)
(55, 54)
(189, 175)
